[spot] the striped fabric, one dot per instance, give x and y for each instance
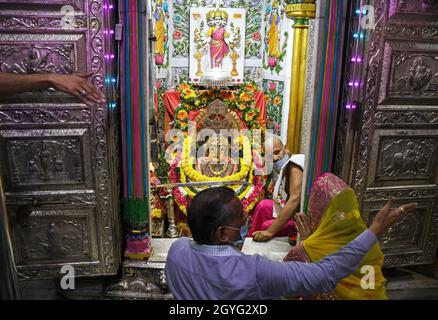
(324, 126)
(133, 130)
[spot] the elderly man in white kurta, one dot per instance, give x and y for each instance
(273, 217)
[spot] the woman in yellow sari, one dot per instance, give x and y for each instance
(334, 218)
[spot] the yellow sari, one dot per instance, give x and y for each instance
(334, 214)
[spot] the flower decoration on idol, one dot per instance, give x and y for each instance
(182, 115)
(249, 116)
(187, 92)
(250, 87)
(249, 193)
(157, 206)
(241, 101)
(245, 97)
(156, 213)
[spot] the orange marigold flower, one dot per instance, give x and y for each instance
(250, 87)
(181, 115)
(244, 96)
(277, 100)
(251, 113)
(242, 106)
(248, 117)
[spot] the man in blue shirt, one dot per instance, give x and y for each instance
(211, 267)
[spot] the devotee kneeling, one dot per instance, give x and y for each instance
(273, 218)
(211, 266)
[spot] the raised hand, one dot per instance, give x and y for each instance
(77, 85)
(387, 216)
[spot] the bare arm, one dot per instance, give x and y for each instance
(293, 204)
(291, 207)
(11, 83)
(297, 278)
(75, 84)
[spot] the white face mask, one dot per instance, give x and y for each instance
(280, 163)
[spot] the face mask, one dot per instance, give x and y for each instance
(280, 163)
(243, 231)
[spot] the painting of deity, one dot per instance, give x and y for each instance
(217, 45)
(161, 51)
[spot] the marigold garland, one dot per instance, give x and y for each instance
(240, 101)
(193, 175)
(156, 213)
(183, 195)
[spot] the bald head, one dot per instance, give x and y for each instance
(279, 150)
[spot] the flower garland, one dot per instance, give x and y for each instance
(193, 175)
(156, 213)
(249, 195)
(241, 101)
(241, 194)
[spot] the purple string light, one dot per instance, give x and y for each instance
(355, 59)
(109, 56)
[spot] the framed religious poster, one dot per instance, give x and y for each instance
(217, 45)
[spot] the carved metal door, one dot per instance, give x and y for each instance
(397, 151)
(57, 154)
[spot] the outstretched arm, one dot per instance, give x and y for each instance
(297, 278)
(75, 84)
(11, 83)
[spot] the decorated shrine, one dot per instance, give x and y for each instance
(196, 93)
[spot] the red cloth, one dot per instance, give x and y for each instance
(171, 100)
(262, 219)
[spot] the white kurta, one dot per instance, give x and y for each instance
(279, 193)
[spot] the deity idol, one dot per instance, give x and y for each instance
(218, 46)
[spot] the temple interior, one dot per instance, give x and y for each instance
(198, 93)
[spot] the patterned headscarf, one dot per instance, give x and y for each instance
(323, 190)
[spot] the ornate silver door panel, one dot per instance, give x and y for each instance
(56, 153)
(398, 141)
